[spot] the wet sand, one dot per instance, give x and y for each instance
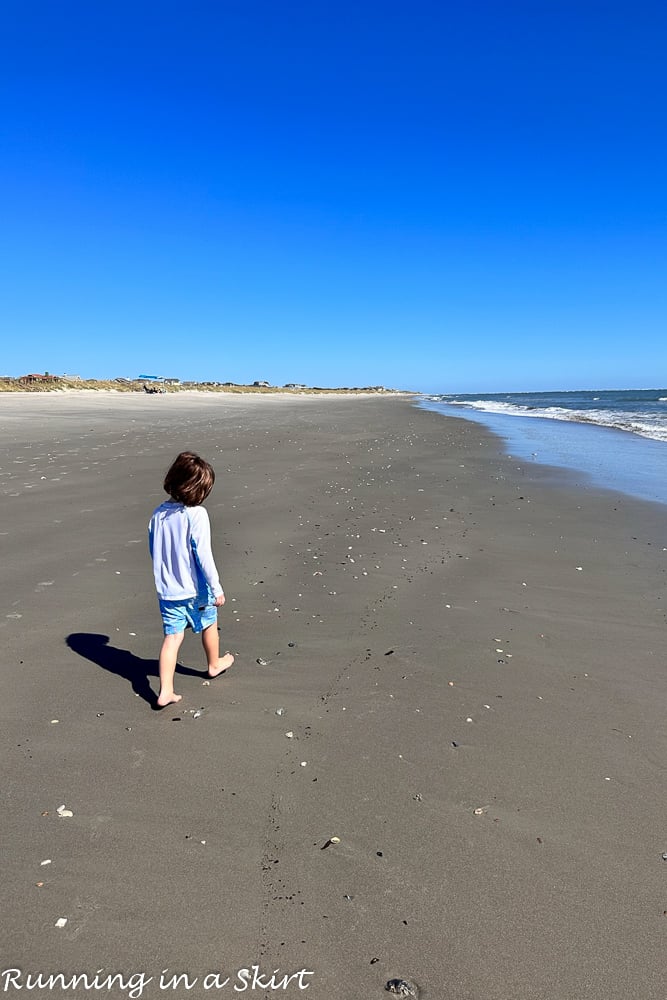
(468, 652)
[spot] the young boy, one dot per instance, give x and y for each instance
(186, 579)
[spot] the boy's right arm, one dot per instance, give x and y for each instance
(200, 528)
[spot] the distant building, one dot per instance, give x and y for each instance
(294, 385)
(262, 385)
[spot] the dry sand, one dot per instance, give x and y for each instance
(446, 631)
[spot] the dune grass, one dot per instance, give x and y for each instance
(56, 384)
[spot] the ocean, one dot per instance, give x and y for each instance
(616, 439)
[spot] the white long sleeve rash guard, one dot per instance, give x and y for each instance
(179, 539)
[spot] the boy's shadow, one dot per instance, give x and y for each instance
(122, 662)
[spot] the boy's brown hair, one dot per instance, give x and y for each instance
(189, 480)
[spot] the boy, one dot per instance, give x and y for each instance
(186, 578)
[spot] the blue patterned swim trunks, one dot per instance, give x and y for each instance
(196, 613)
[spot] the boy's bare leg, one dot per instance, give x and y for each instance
(168, 656)
(216, 664)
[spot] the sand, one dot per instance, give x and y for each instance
(445, 630)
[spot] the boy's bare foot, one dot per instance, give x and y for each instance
(224, 663)
(168, 699)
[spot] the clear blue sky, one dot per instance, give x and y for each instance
(444, 196)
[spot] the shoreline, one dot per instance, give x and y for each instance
(445, 630)
(593, 455)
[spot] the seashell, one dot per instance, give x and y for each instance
(61, 921)
(63, 812)
(402, 988)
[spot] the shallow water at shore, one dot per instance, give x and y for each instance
(607, 458)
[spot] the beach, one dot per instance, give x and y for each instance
(438, 757)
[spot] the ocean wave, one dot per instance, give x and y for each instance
(634, 423)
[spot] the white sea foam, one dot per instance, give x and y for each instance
(646, 425)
